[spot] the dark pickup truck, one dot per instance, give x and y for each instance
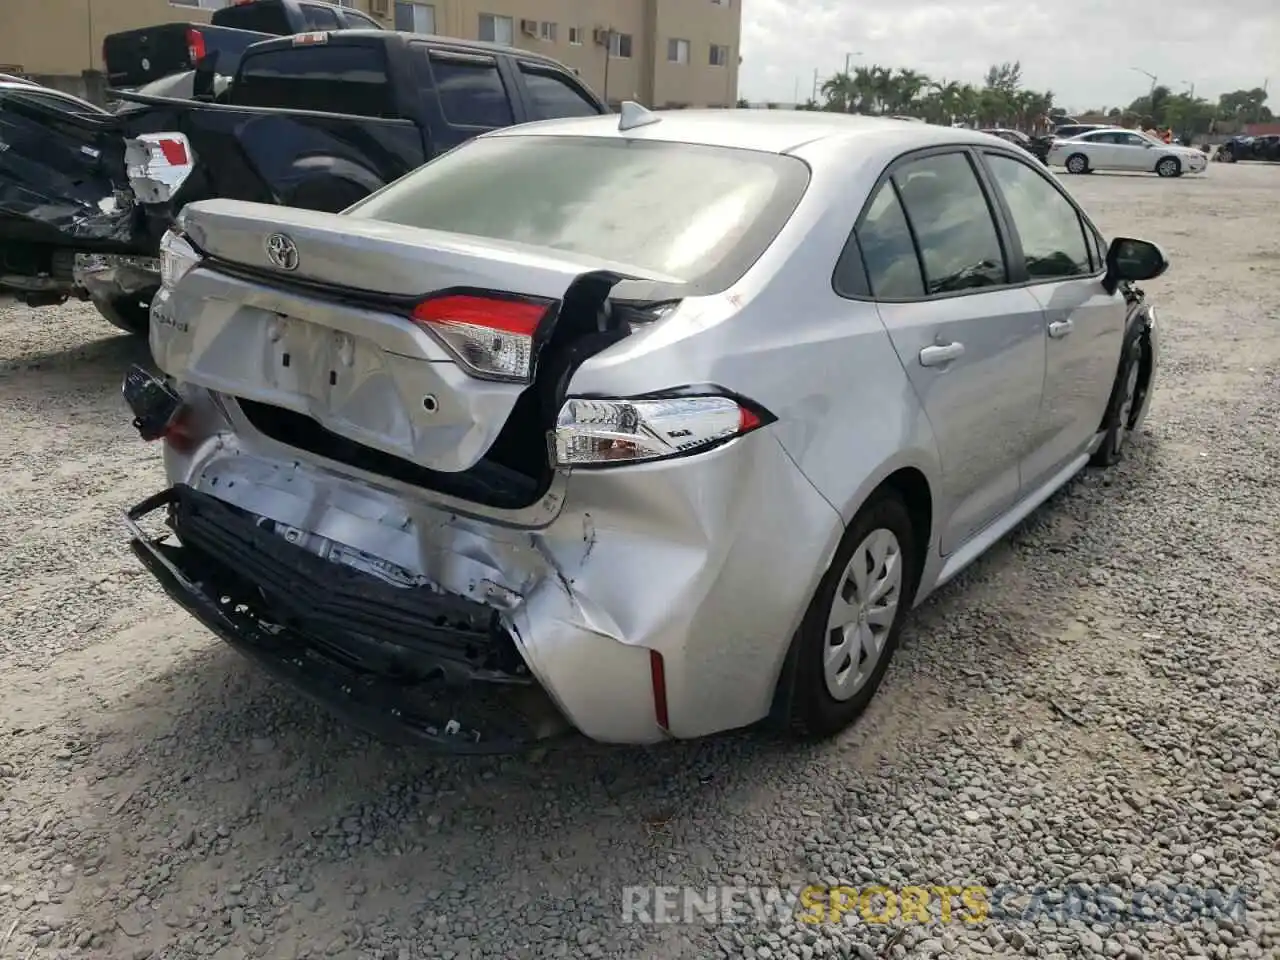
(134, 58)
(315, 120)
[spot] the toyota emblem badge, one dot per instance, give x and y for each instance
(282, 251)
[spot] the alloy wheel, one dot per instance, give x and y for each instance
(862, 613)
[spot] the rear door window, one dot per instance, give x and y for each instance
(358, 21)
(888, 251)
(264, 16)
(325, 77)
(470, 90)
(319, 18)
(952, 221)
(553, 95)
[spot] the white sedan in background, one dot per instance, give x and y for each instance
(1115, 148)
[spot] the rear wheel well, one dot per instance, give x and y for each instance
(910, 485)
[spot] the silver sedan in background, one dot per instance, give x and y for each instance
(656, 425)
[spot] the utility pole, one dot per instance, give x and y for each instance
(608, 55)
(815, 83)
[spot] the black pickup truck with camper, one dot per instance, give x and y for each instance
(134, 58)
(317, 120)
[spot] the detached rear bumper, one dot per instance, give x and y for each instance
(440, 687)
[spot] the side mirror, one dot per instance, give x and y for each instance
(1135, 260)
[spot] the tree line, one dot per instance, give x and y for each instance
(1001, 100)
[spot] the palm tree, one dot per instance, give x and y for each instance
(840, 92)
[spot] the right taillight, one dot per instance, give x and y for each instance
(593, 432)
(493, 336)
(195, 45)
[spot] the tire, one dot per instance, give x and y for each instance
(1227, 156)
(1169, 167)
(1120, 406)
(810, 708)
(1077, 163)
(131, 314)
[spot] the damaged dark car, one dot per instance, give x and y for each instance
(68, 222)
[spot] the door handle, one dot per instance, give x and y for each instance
(941, 353)
(1060, 328)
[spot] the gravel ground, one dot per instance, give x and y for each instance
(1090, 710)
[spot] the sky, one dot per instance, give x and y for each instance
(1082, 50)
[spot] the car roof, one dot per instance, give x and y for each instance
(1085, 133)
(769, 131)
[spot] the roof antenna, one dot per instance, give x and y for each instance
(635, 115)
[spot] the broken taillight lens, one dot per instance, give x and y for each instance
(195, 45)
(595, 432)
(493, 336)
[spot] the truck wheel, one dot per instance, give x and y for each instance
(132, 314)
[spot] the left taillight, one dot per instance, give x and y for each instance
(492, 336)
(597, 432)
(195, 45)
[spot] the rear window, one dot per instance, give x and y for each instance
(263, 16)
(700, 214)
(329, 78)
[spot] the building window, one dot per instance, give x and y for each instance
(678, 51)
(620, 46)
(496, 29)
(201, 4)
(575, 36)
(547, 31)
(415, 17)
(719, 55)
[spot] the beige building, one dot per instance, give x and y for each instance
(664, 53)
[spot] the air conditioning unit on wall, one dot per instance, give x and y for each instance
(379, 8)
(600, 36)
(529, 28)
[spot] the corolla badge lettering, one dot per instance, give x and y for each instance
(282, 251)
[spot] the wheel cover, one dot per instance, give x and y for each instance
(1167, 166)
(1075, 164)
(862, 613)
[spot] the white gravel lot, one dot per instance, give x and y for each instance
(1093, 709)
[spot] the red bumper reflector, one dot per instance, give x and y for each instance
(657, 673)
(174, 152)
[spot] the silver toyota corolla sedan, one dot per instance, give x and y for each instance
(650, 425)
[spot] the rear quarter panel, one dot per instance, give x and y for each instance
(824, 365)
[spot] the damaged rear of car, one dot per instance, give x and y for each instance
(439, 460)
(69, 225)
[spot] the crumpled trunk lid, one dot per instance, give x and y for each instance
(328, 332)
